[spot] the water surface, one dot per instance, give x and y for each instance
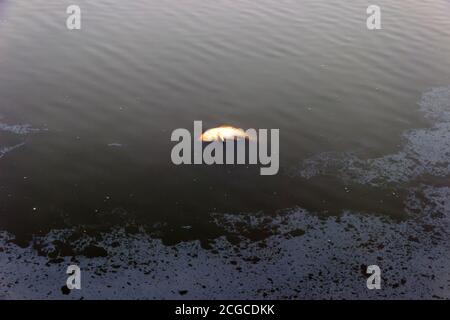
(86, 116)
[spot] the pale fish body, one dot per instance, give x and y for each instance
(223, 133)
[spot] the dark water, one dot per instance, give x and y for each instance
(86, 116)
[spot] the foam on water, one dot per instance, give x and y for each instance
(304, 257)
(20, 129)
(17, 129)
(5, 150)
(425, 151)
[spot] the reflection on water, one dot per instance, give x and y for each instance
(86, 115)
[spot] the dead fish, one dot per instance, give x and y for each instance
(223, 133)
